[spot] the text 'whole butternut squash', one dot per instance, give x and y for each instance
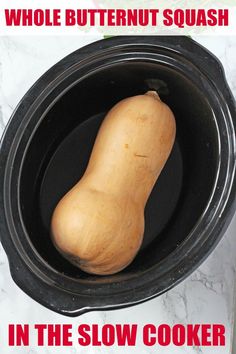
(99, 224)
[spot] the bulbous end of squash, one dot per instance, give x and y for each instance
(97, 232)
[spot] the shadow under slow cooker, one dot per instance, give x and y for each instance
(58, 154)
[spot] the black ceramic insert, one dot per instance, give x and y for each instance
(47, 144)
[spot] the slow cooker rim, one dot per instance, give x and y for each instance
(22, 162)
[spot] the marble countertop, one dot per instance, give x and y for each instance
(206, 296)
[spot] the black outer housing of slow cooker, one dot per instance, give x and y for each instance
(48, 287)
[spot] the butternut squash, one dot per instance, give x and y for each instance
(99, 224)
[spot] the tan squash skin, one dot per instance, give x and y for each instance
(99, 224)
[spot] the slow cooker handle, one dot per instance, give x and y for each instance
(201, 57)
(55, 299)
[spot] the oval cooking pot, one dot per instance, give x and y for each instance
(46, 147)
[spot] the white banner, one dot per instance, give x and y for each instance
(112, 17)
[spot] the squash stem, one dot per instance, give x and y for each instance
(153, 94)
